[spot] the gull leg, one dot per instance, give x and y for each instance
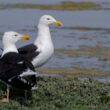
(25, 94)
(8, 93)
(4, 100)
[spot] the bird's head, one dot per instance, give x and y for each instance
(13, 37)
(47, 20)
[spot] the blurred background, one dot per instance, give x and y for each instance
(81, 45)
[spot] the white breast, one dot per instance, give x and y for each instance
(46, 52)
(44, 44)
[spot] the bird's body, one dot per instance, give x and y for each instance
(42, 49)
(46, 52)
(39, 52)
(45, 46)
(13, 65)
(38, 56)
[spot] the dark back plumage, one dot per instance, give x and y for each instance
(29, 51)
(12, 65)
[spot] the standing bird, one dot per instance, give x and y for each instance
(42, 49)
(15, 68)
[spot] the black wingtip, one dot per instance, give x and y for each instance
(21, 83)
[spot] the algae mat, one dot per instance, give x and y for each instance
(64, 94)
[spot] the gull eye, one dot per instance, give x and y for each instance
(15, 35)
(48, 18)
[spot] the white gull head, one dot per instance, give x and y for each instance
(9, 40)
(48, 19)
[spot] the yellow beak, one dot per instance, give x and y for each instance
(25, 37)
(58, 23)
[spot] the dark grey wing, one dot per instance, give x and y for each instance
(20, 83)
(15, 63)
(11, 66)
(29, 51)
(0, 52)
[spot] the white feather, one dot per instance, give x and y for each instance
(28, 73)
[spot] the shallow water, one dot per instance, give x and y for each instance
(26, 20)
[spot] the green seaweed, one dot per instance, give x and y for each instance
(73, 72)
(102, 53)
(61, 6)
(64, 94)
(84, 28)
